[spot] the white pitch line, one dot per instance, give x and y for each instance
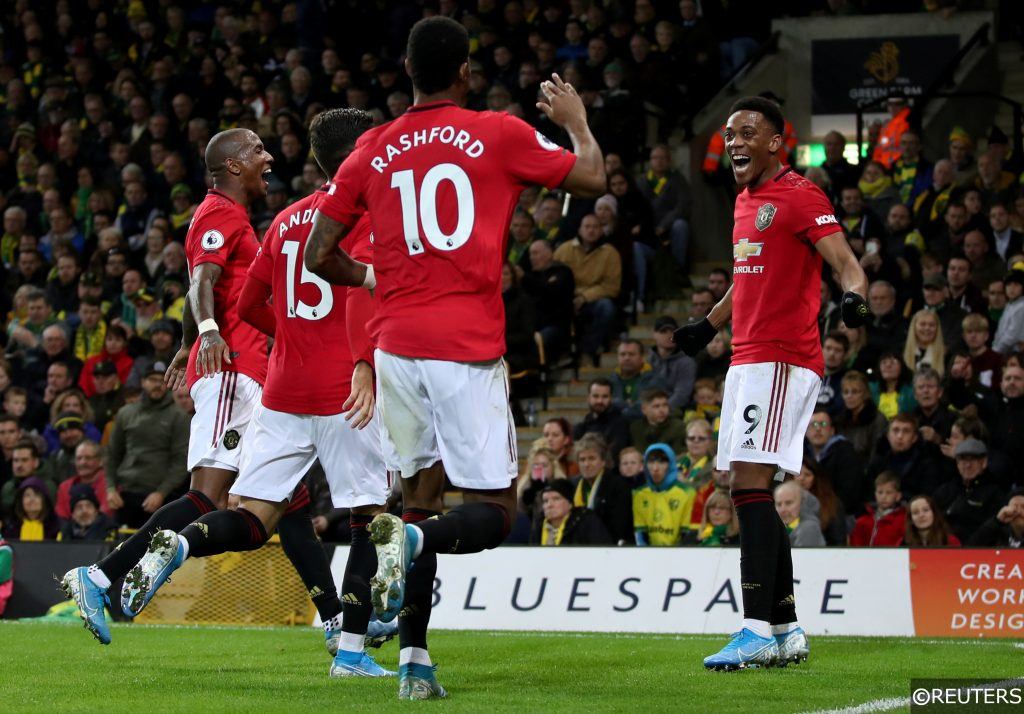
(884, 705)
(876, 705)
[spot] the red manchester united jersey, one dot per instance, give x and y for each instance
(440, 184)
(777, 271)
(220, 233)
(311, 363)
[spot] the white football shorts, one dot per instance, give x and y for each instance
(455, 412)
(282, 447)
(765, 412)
(224, 405)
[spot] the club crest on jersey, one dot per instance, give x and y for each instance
(743, 249)
(212, 240)
(764, 217)
(231, 439)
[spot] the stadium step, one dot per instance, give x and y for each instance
(573, 402)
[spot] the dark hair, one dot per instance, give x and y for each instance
(906, 418)
(841, 338)
(117, 331)
(890, 477)
(651, 394)
(720, 271)
(599, 382)
(563, 424)
(5, 417)
(438, 46)
(765, 107)
(332, 134)
(822, 490)
(940, 527)
(27, 444)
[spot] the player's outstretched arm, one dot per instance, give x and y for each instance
(326, 259)
(565, 108)
(837, 252)
(214, 352)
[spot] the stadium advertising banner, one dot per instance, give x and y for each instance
(845, 73)
(968, 593)
(667, 590)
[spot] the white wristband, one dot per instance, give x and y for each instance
(370, 281)
(208, 325)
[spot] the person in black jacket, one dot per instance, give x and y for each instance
(917, 462)
(520, 349)
(604, 418)
(838, 458)
(974, 498)
(551, 286)
(1006, 528)
(562, 523)
(87, 521)
(602, 490)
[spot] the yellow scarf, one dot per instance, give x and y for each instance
(545, 529)
(31, 530)
(871, 189)
(586, 500)
(657, 184)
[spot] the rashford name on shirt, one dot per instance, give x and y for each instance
(459, 138)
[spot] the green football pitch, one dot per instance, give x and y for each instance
(59, 667)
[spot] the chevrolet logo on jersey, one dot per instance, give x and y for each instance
(744, 249)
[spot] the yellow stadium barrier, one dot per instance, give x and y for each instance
(258, 587)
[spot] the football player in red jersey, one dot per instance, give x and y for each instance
(784, 226)
(440, 184)
(321, 365)
(227, 364)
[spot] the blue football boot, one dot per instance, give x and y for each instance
(90, 599)
(417, 681)
(793, 647)
(395, 543)
(745, 650)
(357, 664)
(164, 556)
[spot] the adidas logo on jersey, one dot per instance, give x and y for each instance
(748, 444)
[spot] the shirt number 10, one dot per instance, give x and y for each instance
(426, 215)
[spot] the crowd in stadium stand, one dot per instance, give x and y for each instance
(106, 111)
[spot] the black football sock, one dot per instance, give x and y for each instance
(414, 616)
(468, 528)
(304, 549)
(783, 601)
(759, 547)
(355, 586)
(171, 516)
(223, 531)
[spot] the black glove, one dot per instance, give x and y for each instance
(692, 338)
(854, 309)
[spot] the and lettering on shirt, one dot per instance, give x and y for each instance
(440, 184)
(777, 271)
(310, 367)
(221, 234)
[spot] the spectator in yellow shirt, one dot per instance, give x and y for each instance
(662, 506)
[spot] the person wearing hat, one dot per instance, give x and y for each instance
(888, 148)
(88, 473)
(961, 155)
(1010, 332)
(173, 287)
(182, 207)
(1006, 528)
(60, 465)
(86, 521)
(32, 517)
(933, 288)
(669, 363)
(974, 497)
(147, 450)
(108, 396)
(147, 311)
(562, 523)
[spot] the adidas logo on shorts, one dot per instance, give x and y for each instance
(748, 444)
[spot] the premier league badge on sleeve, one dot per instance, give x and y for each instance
(214, 240)
(765, 214)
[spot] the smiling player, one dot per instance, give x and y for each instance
(784, 226)
(226, 365)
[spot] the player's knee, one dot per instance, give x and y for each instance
(257, 530)
(202, 501)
